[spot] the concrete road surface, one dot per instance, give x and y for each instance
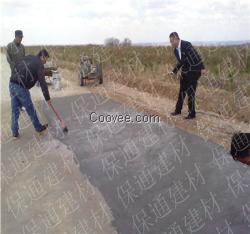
(154, 177)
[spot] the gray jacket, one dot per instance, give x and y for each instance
(14, 53)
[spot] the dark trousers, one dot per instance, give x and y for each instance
(188, 84)
(21, 97)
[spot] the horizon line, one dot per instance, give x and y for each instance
(142, 43)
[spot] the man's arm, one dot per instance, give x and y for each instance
(42, 81)
(177, 67)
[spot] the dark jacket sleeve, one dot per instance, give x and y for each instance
(193, 56)
(42, 81)
(177, 67)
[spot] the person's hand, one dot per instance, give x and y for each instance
(49, 102)
(204, 72)
(171, 73)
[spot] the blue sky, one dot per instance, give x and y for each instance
(92, 21)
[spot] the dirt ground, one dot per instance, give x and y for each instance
(208, 125)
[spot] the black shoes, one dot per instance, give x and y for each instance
(43, 128)
(16, 135)
(190, 117)
(175, 113)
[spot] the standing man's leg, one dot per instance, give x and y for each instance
(15, 110)
(191, 90)
(182, 94)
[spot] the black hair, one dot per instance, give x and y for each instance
(240, 145)
(174, 34)
(43, 53)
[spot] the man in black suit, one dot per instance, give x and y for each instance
(191, 65)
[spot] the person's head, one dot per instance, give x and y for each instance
(174, 39)
(240, 147)
(43, 55)
(18, 36)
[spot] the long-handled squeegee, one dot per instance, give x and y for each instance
(63, 126)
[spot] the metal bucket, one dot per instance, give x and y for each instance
(56, 80)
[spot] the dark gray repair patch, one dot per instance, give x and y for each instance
(154, 177)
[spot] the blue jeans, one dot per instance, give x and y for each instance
(21, 97)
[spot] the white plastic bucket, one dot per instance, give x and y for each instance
(56, 80)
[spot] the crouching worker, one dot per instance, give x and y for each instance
(26, 73)
(240, 147)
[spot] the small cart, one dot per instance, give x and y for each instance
(89, 70)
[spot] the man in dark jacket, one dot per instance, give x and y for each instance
(26, 73)
(191, 65)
